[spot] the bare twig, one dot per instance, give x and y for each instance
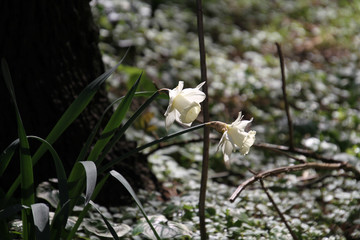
(322, 178)
(278, 210)
(205, 107)
(294, 168)
(287, 154)
(305, 152)
(283, 79)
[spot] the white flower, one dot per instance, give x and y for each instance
(235, 136)
(184, 105)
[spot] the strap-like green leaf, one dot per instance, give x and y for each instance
(122, 129)
(114, 123)
(26, 167)
(59, 221)
(8, 212)
(68, 117)
(91, 137)
(40, 213)
(60, 171)
(76, 108)
(6, 155)
(82, 214)
(126, 184)
(91, 175)
(111, 229)
(138, 149)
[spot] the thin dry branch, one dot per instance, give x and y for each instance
(287, 169)
(284, 150)
(278, 210)
(283, 80)
(288, 155)
(316, 180)
(305, 152)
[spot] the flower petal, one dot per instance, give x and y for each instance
(200, 85)
(178, 119)
(172, 94)
(238, 119)
(236, 136)
(248, 142)
(222, 140)
(170, 118)
(179, 87)
(242, 124)
(169, 109)
(227, 150)
(193, 95)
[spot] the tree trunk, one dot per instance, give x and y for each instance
(52, 51)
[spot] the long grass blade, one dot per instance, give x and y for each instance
(75, 179)
(126, 184)
(91, 175)
(7, 154)
(41, 220)
(138, 149)
(92, 135)
(113, 123)
(26, 167)
(6, 213)
(122, 129)
(111, 229)
(59, 221)
(68, 117)
(60, 171)
(76, 108)
(82, 214)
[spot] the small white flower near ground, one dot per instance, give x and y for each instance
(234, 136)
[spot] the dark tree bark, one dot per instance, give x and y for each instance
(52, 51)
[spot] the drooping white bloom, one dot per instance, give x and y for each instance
(184, 105)
(235, 136)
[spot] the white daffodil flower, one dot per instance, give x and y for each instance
(234, 136)
(184, 105)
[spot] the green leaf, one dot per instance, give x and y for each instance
(133, 73)
(123, 129)
(59, 221)
(8, 212)
(113, 123)
(138, 149)
(26, 167)
(60, 171)
(126, 184)
(76, 108)
(6, 155)
(68, 117)
(78, 182)
(92, 135)
(91, 175)
(40, 213)
(115, 234)
(86, 208)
